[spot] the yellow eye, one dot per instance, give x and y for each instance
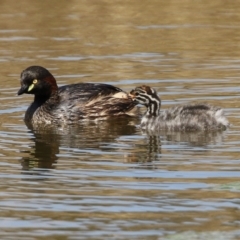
(32, 85)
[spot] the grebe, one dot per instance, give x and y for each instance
(190, 117)
(71, 103)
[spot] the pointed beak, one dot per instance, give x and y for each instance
(22, 90)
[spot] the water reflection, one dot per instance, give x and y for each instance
(146, 152)
(105, 137)
(43, 154)
(86, 137)
(196, 138)
(199, 138)
(190, 53)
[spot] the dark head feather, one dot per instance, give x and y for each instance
(37, 80)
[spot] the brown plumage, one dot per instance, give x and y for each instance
(71, 103)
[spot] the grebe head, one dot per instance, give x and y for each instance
(38, 81)
(144, 95)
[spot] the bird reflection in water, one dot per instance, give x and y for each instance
(150, 154)
(146, 153)
(143, 149)
(48, 141)
(196, 139)
(43, 153)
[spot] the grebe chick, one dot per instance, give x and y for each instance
(71, 103)
(190, 117)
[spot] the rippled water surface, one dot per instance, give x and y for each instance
(110, 180)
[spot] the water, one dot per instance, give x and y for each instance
(108, 179)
